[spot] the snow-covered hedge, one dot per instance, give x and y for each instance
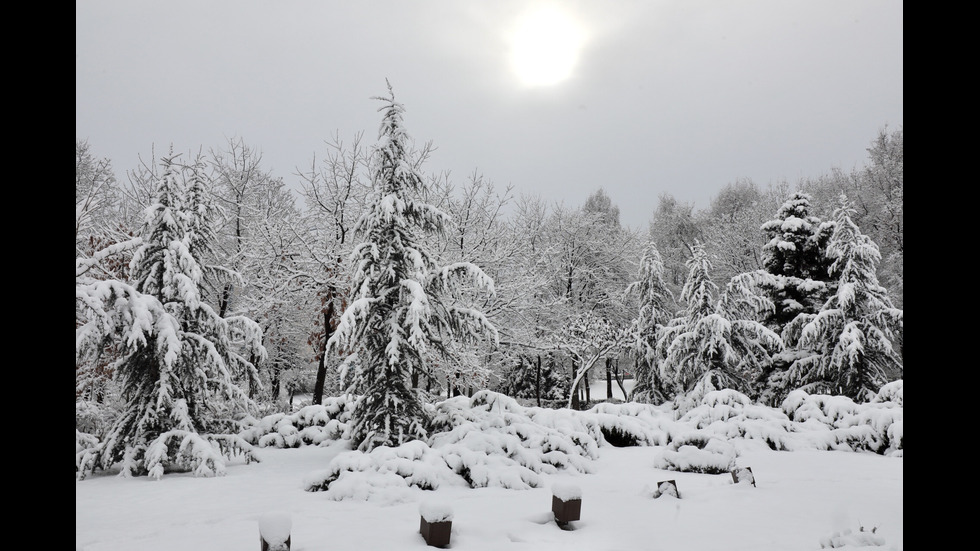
(698, 452)
(311, 425)
(491, 440)
(488, 440)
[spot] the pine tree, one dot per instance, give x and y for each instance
(796, 256)
(402, 307)
(852, 338)
(712, 346)
(654, 300)
(178, 356)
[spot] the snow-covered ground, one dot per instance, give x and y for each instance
(801, 499)
(805, 499)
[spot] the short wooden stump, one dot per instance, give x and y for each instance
(667, 488)
(743, 474)
(436, 534)
(566, 511)
(281, 546)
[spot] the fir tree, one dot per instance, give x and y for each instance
(712, 346)
(796, 256)
(178, 357)
(654, 300)
(851, 340)
(402, 307)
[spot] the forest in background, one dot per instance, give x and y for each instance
(761, 292)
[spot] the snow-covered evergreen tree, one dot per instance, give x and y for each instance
(796, 256)
(402, 307)
(177, 358)
(851, 340)
(654, 300)
(712, 346)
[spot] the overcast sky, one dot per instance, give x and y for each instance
(637, 97)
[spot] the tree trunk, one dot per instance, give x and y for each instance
(321, 370)
(608, 379)
(574, 390)
(537, 382)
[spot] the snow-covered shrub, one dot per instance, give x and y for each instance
(631, 424)
(838, 423)
(891, 392)
(801, 406)
(732, 415)
(311, 425)
(698, 452)
(489, 440)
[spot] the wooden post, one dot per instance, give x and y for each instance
(667, 488)
(436, 523)
(274, 532)
(743, 474)
(566, 503)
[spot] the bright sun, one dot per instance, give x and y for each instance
(545, 46)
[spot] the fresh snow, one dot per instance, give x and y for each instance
(433, 510)
(823, 490)
(275, 526)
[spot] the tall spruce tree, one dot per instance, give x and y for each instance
(178, 358)
(712, 345)
(852, 338)
(403, 308)
(654, 300)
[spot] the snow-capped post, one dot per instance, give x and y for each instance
(436, 523)
(743, 474)
(667, 488)
(566, 503)
(274, 531)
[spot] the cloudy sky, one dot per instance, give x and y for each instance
(556, 98)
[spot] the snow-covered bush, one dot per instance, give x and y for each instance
(891, 392)
(631, 424)
(732, 415)
(488, 440)
(838, 423)
(698, 452)
(311, 425)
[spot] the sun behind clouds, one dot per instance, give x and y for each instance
(545, 44)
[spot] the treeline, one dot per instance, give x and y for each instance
(767, 290)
